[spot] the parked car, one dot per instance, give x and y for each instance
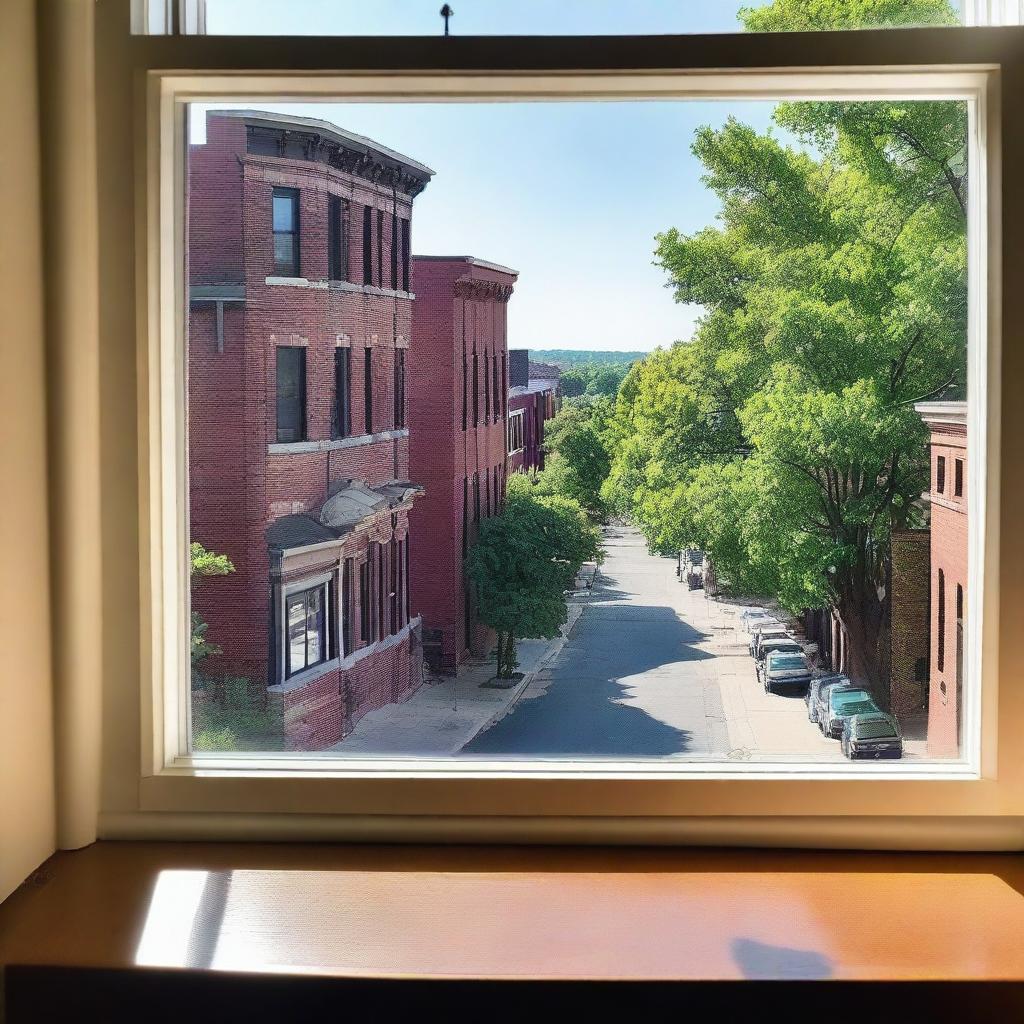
(758, 619)
(784, 644)
(783, 671)
(843, 703)
(763, 634)
(818, 691)
(872, 736)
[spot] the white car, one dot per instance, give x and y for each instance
(757, 618)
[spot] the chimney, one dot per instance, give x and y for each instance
(518, 367)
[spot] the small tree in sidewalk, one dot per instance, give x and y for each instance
(522, 564)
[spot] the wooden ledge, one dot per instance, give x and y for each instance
(499, 913)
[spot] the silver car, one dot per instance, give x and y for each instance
(785, 671)
(763, 635)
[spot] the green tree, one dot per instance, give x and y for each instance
(579, 460)
(783, 438)
(205, 563)
(523, 562)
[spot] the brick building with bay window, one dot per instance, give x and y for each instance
(947, 421)
(299, 328)
(458, 388)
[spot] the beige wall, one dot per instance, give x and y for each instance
(27, 821)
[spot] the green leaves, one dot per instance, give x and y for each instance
(526, 558)
(783, 437)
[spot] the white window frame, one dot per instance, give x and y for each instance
(519, 414)
(560, 800)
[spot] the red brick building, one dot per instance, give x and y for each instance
(458, 387)
(531, 402)
(299, 329)
(948, 493)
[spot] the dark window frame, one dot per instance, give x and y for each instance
(341, 419)
(940, 474)
(337, 238)
(323, 592)
(380, 248)
(394, 250)
(399, 395)
(958, 478)
(941, 638)
(281, 432)
(293, 268)
(347, 609)
(406, 252)
(368, 389)
(367, 245)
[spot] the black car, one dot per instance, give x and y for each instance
(873, 736)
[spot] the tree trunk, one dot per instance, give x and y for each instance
(866, 621)
(506, 655)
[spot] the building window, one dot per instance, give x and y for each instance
(337, 238)
(941, 638)
(399, 388)
(367, 245)
(487, 389)
(958, 478)
(515, 431)
(381, 591)
(406, 254)
(465, 389)
(364, 602)
(291, 394)
(476, 390)
(347, 609)
(380, 248)
(487, 489)
(394, 250)
(465, 516)
(940, 475)
(306, 624)
(342, 419)
(504, 381)
(286, 231)
(476, 497)
(368, 389)
(497, 393)
(395, 584)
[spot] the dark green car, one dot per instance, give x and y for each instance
(842, 704)
(872, 736)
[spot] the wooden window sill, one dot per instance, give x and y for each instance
(498, 913)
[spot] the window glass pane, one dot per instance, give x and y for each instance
(586, 17)
(315, 641)
(766, 445)
(296, 634)
(284, 210)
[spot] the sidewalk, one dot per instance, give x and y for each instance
(444, 714)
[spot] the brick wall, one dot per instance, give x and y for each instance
(459, 328)
(909, 577)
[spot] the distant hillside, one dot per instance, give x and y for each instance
(566, 357)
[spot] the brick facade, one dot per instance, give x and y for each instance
(458, 404)
(535, 403)
(948, 493)
(910, 558)
(282, 509)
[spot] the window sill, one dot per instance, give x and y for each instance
(334, 444)
(560, 913)
(335, 286)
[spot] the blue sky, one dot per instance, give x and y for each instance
(569, 194)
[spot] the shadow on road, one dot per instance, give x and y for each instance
(581, 712)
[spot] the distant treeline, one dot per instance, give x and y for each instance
(566, 357)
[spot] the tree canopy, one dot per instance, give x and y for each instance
(523, 562)
(783, 438)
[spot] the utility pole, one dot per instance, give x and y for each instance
(446, 13)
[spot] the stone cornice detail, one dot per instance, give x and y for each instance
(309, 145)
(474, 288)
